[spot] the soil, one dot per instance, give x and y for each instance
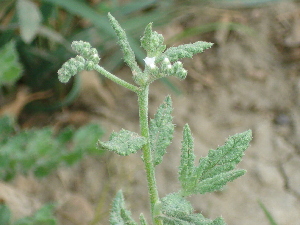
(248, 80)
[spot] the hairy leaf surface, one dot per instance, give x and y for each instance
(214, 170)
(178, 211)
(119, 214)
(143, 220)
(123, 143)
(187, 175)
(161, 130)
(129, 56)
(185, 51)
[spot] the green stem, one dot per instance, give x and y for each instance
(147, 156)
(116, 79)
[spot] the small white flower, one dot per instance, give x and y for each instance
(169, 66)
(166, 60)
(150, 62)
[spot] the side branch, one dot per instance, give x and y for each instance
(116, 79)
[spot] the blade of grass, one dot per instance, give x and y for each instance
(135, 6)
(267, 213)
(85, 11)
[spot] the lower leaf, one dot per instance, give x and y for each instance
(176, 210)
(119, 214)
(123, 143)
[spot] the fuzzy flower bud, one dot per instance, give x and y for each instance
(84, 49)
(179, 71)
(70, 68)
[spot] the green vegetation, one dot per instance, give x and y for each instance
(40, 151)
(212, 172)
(43, 216)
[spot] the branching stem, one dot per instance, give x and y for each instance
(116, 79)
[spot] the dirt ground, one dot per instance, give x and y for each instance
(248, 80)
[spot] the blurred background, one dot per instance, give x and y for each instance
(50, 169)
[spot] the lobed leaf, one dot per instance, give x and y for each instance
(215, 170)
(185, 51)
(218, 181)
(161, 130)
(123, 143)
(220, 162)
(119, 215)
(177, 210)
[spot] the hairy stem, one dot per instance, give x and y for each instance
(116, 79)
(150, 171)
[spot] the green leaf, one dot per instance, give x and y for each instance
(6, 128)
(119, 214)
(216, 182)
(85, 138)
(143, 220)
(186, 172)
(215, 170)
(123, 143)
(71, 157)
(152, 42)
(65, 135)
(218, 166)
(185, 51)
(44, 168)
(10, 68)
(43, 216)
(5, 215)
(29, 18)
(177, 210)
(129, 56)
(161, 130)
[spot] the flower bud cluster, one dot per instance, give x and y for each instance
(176, 69)
(70, 68)
(86, 60)
(86, 51)
(166, 69)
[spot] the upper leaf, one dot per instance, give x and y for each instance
(215, 170)
(129, 56)
(176, 210)
(152, 42)
(185, 51)
(123, 143)
(119, 214)
(161, 130)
